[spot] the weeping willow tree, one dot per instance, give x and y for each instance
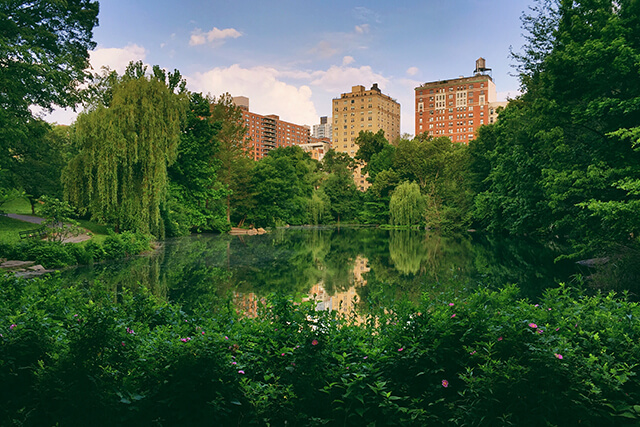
(318, 207)
(407, 205)
(125, 144)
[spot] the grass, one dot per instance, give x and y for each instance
(19, 206)
(10, 227)
(95, 228)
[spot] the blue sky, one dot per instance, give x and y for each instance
(291, 58)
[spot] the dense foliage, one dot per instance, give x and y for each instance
(82, 355)
(44, 53)
(440, 169)
(54, 254)
(562, 160)
(119, 175)
(194, 187)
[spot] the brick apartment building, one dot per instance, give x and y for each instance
(267, 133)
(456, 108)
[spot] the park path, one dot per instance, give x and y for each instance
(26, 218)
(37, 220)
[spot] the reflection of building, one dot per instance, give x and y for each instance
(363, 110)
(456, 108)
(267, 133)
(342, 302)
(246, 304)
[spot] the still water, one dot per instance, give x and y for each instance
(345, 268)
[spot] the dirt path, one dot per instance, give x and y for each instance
(26, 218)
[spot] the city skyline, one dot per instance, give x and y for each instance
(292, 59)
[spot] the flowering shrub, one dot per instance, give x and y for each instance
(74, 356)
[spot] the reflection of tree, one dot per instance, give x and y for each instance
(402, 265)
(501, 261)
(407, 250)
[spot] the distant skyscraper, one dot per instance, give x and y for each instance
(456, 108)
(323, 130)
(269, 132)
(363, 110)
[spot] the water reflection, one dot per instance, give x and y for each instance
(345, 268)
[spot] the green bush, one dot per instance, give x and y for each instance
(57, 255)
(75, 356)
(50, 254)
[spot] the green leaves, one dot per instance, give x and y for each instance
(119, 175)
(554, 160)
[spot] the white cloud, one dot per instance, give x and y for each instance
(216, 36)
(267, 93)
(341, 79)
(116, 58)
(362, 29)
(347, 60)
(324, 49)
(412, 71)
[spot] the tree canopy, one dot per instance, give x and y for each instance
(44, 51)
(563, 160)
(120, 174)
(44, 55)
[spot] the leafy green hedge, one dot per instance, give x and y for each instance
(79, 356)
(56, 254)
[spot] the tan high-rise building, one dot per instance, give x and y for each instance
(456, 108)
(363, 110)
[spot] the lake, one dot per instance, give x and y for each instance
(345, 268)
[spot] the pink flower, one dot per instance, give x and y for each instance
(202, 332)
(314, 342)
(539, 331)
(12, 326)
(241, 372)
(451, 304)
(549, 309)
(533, 325)
(234, 363)
(122, 343)
(445, 383)
(473, 352)
(557, 329)
(499, 338)
(453, 315)
(366, 357)
(558, 355)
(400, 349)
(282, 354)
(536, 305)
(226, 337)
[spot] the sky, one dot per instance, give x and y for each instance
(292, 57)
